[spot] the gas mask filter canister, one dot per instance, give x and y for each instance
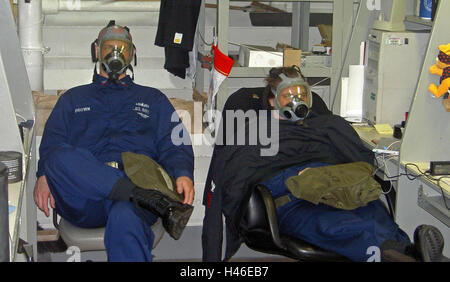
(115, 63)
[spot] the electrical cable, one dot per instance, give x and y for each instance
(379, 168)
(386, 166)
(442, 191)
(413, 177)
(390, 146)
(382, 155)
(204, 41)
(387, 171)
(323, 80)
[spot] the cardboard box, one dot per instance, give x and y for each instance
(260, 56)
(292, 57)
(192, 115)
(44, 105)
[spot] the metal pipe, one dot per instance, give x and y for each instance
(101, 18)
(30, 35)
(55, 6)
(4, 215)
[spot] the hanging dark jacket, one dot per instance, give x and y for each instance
(176, 33)
(236, 169)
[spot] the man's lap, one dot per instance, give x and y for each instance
(80, 185)
(331, 228)
(349, 233)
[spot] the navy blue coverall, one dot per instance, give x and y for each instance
(93, 124)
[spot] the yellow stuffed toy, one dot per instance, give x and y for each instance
(441, 68)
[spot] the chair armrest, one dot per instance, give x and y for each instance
(271, 212)
(55, 219)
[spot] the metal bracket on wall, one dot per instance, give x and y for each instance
(26, 249)
(434, 205)
(420, 195)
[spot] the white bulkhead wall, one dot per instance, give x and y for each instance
(69, 34)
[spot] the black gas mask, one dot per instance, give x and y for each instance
(293, 98)
(115, 51)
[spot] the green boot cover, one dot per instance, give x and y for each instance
(146, 173)
(345, 186)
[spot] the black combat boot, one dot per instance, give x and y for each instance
(175, 215)
(429, 243)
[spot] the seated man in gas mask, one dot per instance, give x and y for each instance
(321, 179)
(107, 158)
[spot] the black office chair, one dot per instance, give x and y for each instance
(259, 229)
(259, 226)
